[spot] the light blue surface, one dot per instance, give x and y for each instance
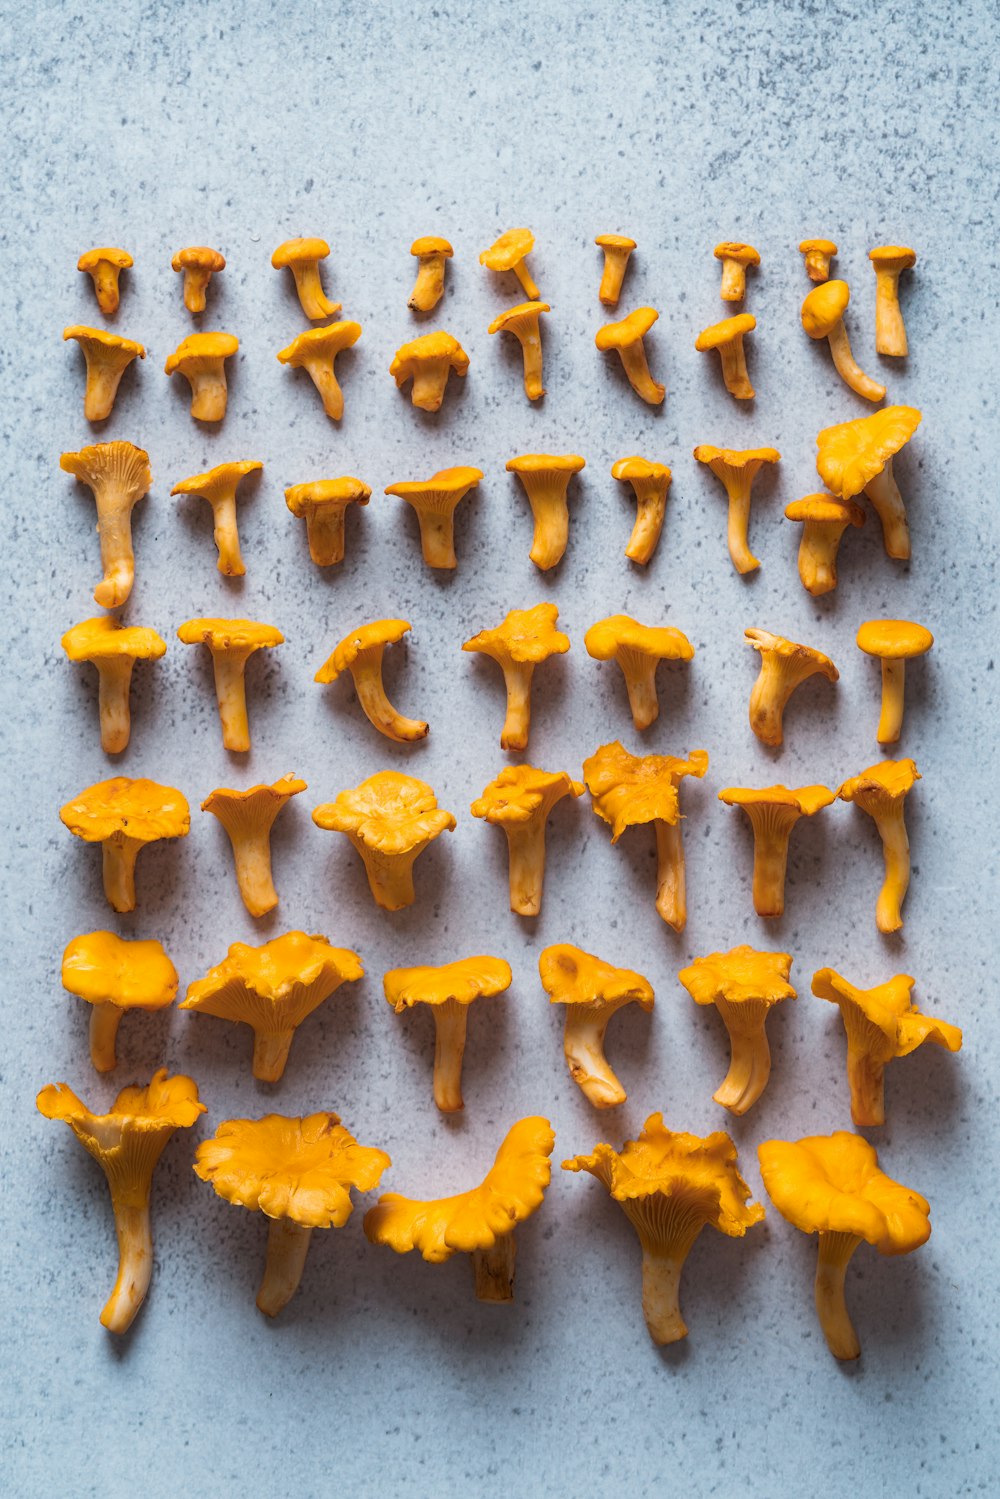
(157, 125)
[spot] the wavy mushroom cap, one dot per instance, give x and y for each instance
(824, 307)
(320, 343)
(525, 635)
(739, 976)
(284, 979)
(520, 792)
(517, 319)
(425, 350)
(817, 247)
(366, 638)
(508, 251)
(105, 637)
(106, 255)
(725, 332)
(460, 983)
(166, 1104)
(825, 509)
(571, 976)
(892, 257)
(229, 634)
(198, 258)
(733, 250)
(95, 340)
(218, 480)
(103, 968)
(619, 632)
(300, 251)
(140, 810)
(390, 812)
(546, 463)
(889, 1008)
(628, 331)
(880, 785)
(635, 469)
(615, 242)
(441, 487)
(256, 805)
(320, 494)
(119, 465)
(806, 800)
(801, 657)
(852, 454)
(735, 462)
(628, 790)
(431, 244)
(894, 639)
(832, 1184)
(198, 349)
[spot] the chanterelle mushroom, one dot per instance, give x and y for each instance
(448, 991)
(890, 330)
(744, 986)
(231, 642)
(881, 1024)
(824, 519)
(201, 359)
(113, 649)
(272, 989)
(117, 474)
(248, 817)
(856, 456)
(123, 815)
(638, 650)
(737, 469)
(818, 253)
(831, 1185)
(199, 264)
(893, 642)
(299, 1174)
(104, 266)
(433, 254)
(428, 361)
(390, 819)
(727, 337)
(107, 357)
(360, 653)
(526, 637)
(519, 800)
(626, 338)
(784, 665)
(508, 253)
(545, 477)
(315, 351)
(219, 487)
(735, 259)
(650, 482)
(881, 791)
(773, 812)
(524, 322)
(617, 249)
(302, 258)
(592, 991)
(322, 504)
(126, 1143)
(434, 501)
(823, 317)
(114, 975)
(670, 1186)
(480, 1222)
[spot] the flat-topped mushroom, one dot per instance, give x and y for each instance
(519, 800)
(545, 477)
(508, 253)
(104, 266)
(315, 351)
(824, 518)
(893, 642)
(248, 817)
(107, 357)
(524, 323)
(302, 257)
(390, 819)
(360, 653)
(113, 649)
(818, 254)
(123, 815)
(856, 456)
(890, 330)
(727, 337)
(428, 361)
(218, 486)
(773, 812)
(231, 642)
(617, 249)
(744, 986)
(650, 482)
(626, 339)
(114, 975)
(638, 650)
(118, 476)
(736, 469)
(434, 501)
(592, 991)
(881, 791)
(322, 504)
(201, 359)
(823, 317)
(735, 258)
(784, 665)
(199, 263)
(448, 991)
(526, 637)
(433, 254)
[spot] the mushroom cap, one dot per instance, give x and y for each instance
(851, 454)
(828, 508)
(365, 638)
(280, 982)
(808, 800)
(229, 634)
(103, 968)
(168, 1103)
(263, 797)
(105, 636)
(620, 632)
(803, 655)
(628, 790)
(511, 1191)
(732, 250)
(546, 463)
(118, 464)
(615, 242)
(447, 483)
(739, 976)
(101, 339)
(509, 250)
(571, 976)
(824, 307)
(832, 1184)
(320, 343)
(106, 254)
(819, 246)
(431, 244)
(894, 639)
(890, 1008)
(640, 468)
(892, 257)
(301, 1169)
(525, 635)
(514, 318)
(299, 252)
(425, 350)
(463, 982)
(725, 332)
(218, 480)
(140, 810)
(389, 812)
(200, 258)
(735, 461)
(198, 347)
(629, 330)
(520, 793)
(887, 782)
(320, 494)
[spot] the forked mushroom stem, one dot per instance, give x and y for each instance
(517, 677)
(848, 369)
(887, 503)
(750, 1056)
(114, 530)
(450, 1022)
(671, 880)
(893, 689)
(287, 1247)
(104, 1022)
(119, 854)
(229, 668)
(896, 852)
(270, 1054)
(866, 1078)
(633, 357)
(526, 853)
(494, 1270)
(390, 876)
(835, 1250)
(367, 677)
(583, 1044)
(734, 369)
(114, 676)
(135, 1262)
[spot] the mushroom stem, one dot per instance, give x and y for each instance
(135, 1264)
(252, 861)
(530, 339)
(114, 675)
(734, 370)
(428, 287)
(517, 677)
(390, 876)
(866, 1077)
(887, 503)
(229, 668)
(287, 1247)
(734, 280)
(818, 549)
(671, 882)
(583, 1045)
(890, 330)
(119, 854)
(835, 1250)
(325, 534)
(367, 676)
(494, 1270)
(208, 392)
(430, 381)
(848, 370)
(105, 278)
(770, 862)
(650, 510)
(104, 1022)
(196, 279)
(526, 847)
(612, 276)
(104, 373)
(227, 538)
(738, 524)
(320, 370)
(530, 289)
(310, 289)
(661, 1285)
(437, 537)
(896, 851)
(640, 683)
(270, 1053)
(633, 357)
(450, 1022)
(114, 530)
(893, 685)
(769, 696)
(750, 1058)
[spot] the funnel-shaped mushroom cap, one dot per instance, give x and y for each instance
(248, 817)
(138, 811)
(320, 344)
(733, 464)
(824, 307)
(107, 358)
(628, 790)
(629, 330)
(894, 639)
(389, 813)
(576, 978)
(199, 350)
(892, 257)
(852, 454)
(243, 635)
(105, 638)
(308, 499)
(218, 481)
(198, 258)
(784, 666)
(521, 794)
(803, 801)
(428, 361)
(613, 638)
(742, 976)
(508, 251)
(519, 320)
(117, 474)
(104, 265)
(637, 470)
(733, 250)
(726, 332)
(105, 969)
(432, 244)
(460, 983)
(825, 510)
(366, 638)
(526, 635)
(881, 787)
(434, 501)
(301, 251)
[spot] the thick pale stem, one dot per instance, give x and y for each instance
(450, 1022)
(661, 1284)
(770, 861)
(890, 330)
(119, 855)
(325, 534)
(104, 1022)
(429, 384)
(114, 530)
(749, 1070)
(517, 724)
(531, 351)
(526, 845)
(640, 683)
(196, 279)
(615, 265)
(429, 285)
(270, 1054)
(817, 265)
(769, 697)
(835, 1250)
(287, 1247)
(818, 556)
(437, 537)
(888, 505)
(734, 370)
(738, 524)
(390, 876)
(135, 1266)
(583, 1044)
(633, 357)
(848, 370)
(530, 289)
(321, 373)
(866, 1077)
(231, 694)
(208, 393)
(227, 537)
(114, 675)
(494, 1270)
(551, 513)
(104, 374)
(650, 510)
(896, 851)
(311, 294)
(376, 706)
(893, 685)
(671, 881)
(734, 281)
(105, 279)
(252, 861)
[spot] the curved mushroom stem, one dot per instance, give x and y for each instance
(450, 1022)
(119, 855)
(321, 372)
(769, 697)
(893, 685)
(196, 279)
(252, 862)
(114, 530)
(430, 382)
(738, 524)
(135, 1265)
(661, 1285)
(530, 289)
(770, 862)
(530, 340)
(890, 330)
(613, 274)
(227, 537)
(104, 1022)
(835, 1250)
(429, 285)
(494, 1270)
(640, 683)
(390, 876)
(517, 677)
(818, 550)
(526, 850)
(229, 668)
(551, 513)
(104, 373)
(671, 881)
(651, 507)
(366, 672)
(114, 675)
(270, 1054)
(633, 357)
(847, 369)
(896, 851)
(208, 392)
(105, 278)
(734, 369)
(310, 289)
(888, 505)
(867, 1081)
(583, 1044)
(325, 534)
(750, 1058)
(437, 537)
(287, 1247)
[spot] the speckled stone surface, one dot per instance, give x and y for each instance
(156, 125)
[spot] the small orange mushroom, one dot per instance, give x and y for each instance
(302, 258)
(390, 819)
(508, 253)
(824, 519)
(114, 650)
(856, 456)
(231, 643)
(735, 259)
(118, 476)
(893, 642)
(773, 812)
(107, 358)
(881, 791)
(433, 254)
(248, 817)
(447, 991)
(428, 361)
(323, 504)
(315, 351)
(744, 986)
(526, 637)
(617, 249)
(626, 338)
(104, 266)
(823, 317)
(650, 483)
(123, 815)
(638, 650)
(545, 477)
(890, 330)
(592, 991)
(434, 501)
(218, 486)
(201, 359)
(199, 263)
(737, 469)
(114, 975)
(360, 653)
(818, 254)
(727, 337)
(784, 665)
(519, 800)
(524, 323)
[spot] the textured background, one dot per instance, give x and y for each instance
(154, 125)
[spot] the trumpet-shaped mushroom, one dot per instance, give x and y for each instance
(736, 470)
(118, 476)
(744, 986)
(626, 339)
(322, 504)
(773, 812)
(201, 359)
(823, 317)
(302, 258)
(617, 249)
(126, 1143)
(526, 637)
(432, 254)
(629, 790)
(824, 519)
(390, 819)
(428, 361)
(299, 1174)
(315, 351)
(727, 337)
(519, 800)
(123, 815)
(735, 259)
(670, 1186)
(784, 665)
(248, 817)
(524, 322)
(272, 989)
(545, 477)
(890, 330)
(881, 1024)
(638, 650)
(219, 488)
(893, 642)
(856, 456)
(434, 501)
(360, 653)
(107, 357)
(881, 791)
(114, 975)
(113, 649)
(231, 643)
(480, 1222)
(650, 482)
(592, 991)
(818, 254)
(508, 253)
(448, 991)
(199, 263)
(831, 1185)
(104, 266)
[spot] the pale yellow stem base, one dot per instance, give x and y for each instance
(835, 1250)
(450, 1024)
(135, 1266)
(287, 1247)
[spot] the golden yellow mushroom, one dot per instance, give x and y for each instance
(890, 330)
(448, 991)
(360, 653)
(231, 642)
(736, 469)
(107, 357)
(744, 985)
(626, 339)
(638, 650)
(519, 800)
(735, 259)
(824, 518)
(390, 819)
(727, 337)
(302, 258)
(315, 351)
(322, 505)
(526, 637)
(823, 317)
(199, 263)
(113, 649)
(248, 817)
(773, 812)
(434, 501)
(201, 359)
(650, 483)
(219, 487)
(114, 975)
(617, 249)
(856, 456)
(118, 476)
(524, 323)
(433, 254)
(818, 254)
(123, 815)
(545, 477)
(893, 642)
(784, 665)
(591, 991)
(104, 266)
(508, 253)
(428, 361)
(881, 791)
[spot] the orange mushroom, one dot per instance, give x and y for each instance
(773, 812)
(509, 253)
(201, 359)
(114, 975)
(893, 642)
(617, 249)
(881, 791)
(199, 263)
(428, 361)
(315, 351)
(519, 800)
(113, 649)
(818, 253)
(123, 815)
(824, 519)
(360, 653)
(784, 665)
(626, 339)
(433, 254)
(231, 642)
(434, 501)
(526, 637)
(744, 986)
(823, 317)
(104, 266)
(856, 456)
(322, 505)
(591, 991)
(218, 486)
(107, 357)
(448, 991)
(736, 469)
(638, 650)
(302, 258)
(735, 259)
(727, 337)
(118, 476)
(889, 262)
(390, 819)
(545, 477)
(248, 817)
(524, 323)
(650, 483)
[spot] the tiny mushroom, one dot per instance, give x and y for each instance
(881, 1024)
(432, 254)
(360, 653)
(302, 258)
(104, 266)
(592, 991)
(199, 264)
(201, 359)
(428, 361)
(113, 649)
(248, 817)
(315, 351)
(638, 650)
(890, 330)
(508, 254)
(107, 357)
(480, 1222)
(670, 1186)
(831, 1185)
(773, 812)
(126, 1143)
(784, 665)
(272, 989)
(390, 819)
(650, 482)
(617, 249)
(881, 791)
(118, 476)
(526, 637)
(519, 800)
(736, 469)
(629, 790)
(824, 518)
(735, 259)
(322, 504)
(448, 991)
(727, 337)
(823, 317)
(219, 487)
(545, 477)
(626, 338)
(744, 986)
(434, 501)
(818, 254)
(894, 642)
(856, 456)
(297, 1172)
(231, 642)
(123, 815)
(524, 322)
(114, 975)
